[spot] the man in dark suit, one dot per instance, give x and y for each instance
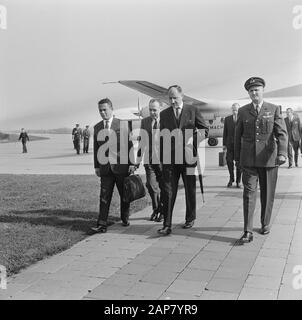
(228, 145)
(111, 161)
(24, 138)
(149, 148)
(294, 131)
(179, 120)
(261, 146)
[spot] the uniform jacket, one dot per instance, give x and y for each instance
(86, 134)
(294, 129)
(260, 139)
(23, 137)
(121, 132)
(229, 132)
(77, 133)
(190, 118)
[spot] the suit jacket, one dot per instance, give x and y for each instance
(229, 133)
(190, 118)
(260, 139)
(146, 149)
(122, 139)
(294, 129)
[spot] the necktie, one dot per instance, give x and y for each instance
(107, 138)
(235, 118)
(257, 109)
(177, 113)
(155, 124)
(107, 124)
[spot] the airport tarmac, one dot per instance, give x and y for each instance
(57, 156)
(197, 264)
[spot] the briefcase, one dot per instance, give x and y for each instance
(222, 159)
(133, 188)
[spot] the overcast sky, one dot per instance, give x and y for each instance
(55, 54)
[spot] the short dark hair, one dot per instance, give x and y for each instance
(177, 87)
(291, 109)
(105, 100)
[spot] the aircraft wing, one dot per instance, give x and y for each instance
(155, 91)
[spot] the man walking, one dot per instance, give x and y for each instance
(86, 137)
(294, 130)
(109, 139)
(228, 145)
(177, 119)
(150, 150)
(24, 138)
(261, 146)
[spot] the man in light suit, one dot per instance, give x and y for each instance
(150, 150)
(177, 118)
(261, 146)
(109, 139)
(294, 130)
(228, 145)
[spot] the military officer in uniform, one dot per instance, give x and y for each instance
(228, 145)
(294, 131)
(261, 146)
(86, 137)
(77, 137)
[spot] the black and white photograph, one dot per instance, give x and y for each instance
(150, 153)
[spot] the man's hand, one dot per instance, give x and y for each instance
(281, 160)
(97, 172)
(224, 148)
(131, 169)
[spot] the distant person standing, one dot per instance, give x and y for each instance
(229, 145)
(86, 137)
(294, 130)
(24, 138)
(77, 137)
(261, 145)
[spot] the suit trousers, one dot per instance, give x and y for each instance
(107, 186)
(230, 158)
(292, 145)
(154, 185)
(171, 175)
(267, 180)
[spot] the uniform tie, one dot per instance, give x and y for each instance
(257, 109)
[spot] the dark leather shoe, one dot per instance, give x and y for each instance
(297, 165)
(100, 229)
(160, 218)
(165, 231)
(125, 223)
(230, 184)
(290, 166)
(246, 238)
(188, 224)
(153, 216)
(238, 185)
(265, 230)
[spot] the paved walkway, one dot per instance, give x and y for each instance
(200, 263)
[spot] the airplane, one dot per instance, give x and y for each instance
(214, 111)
